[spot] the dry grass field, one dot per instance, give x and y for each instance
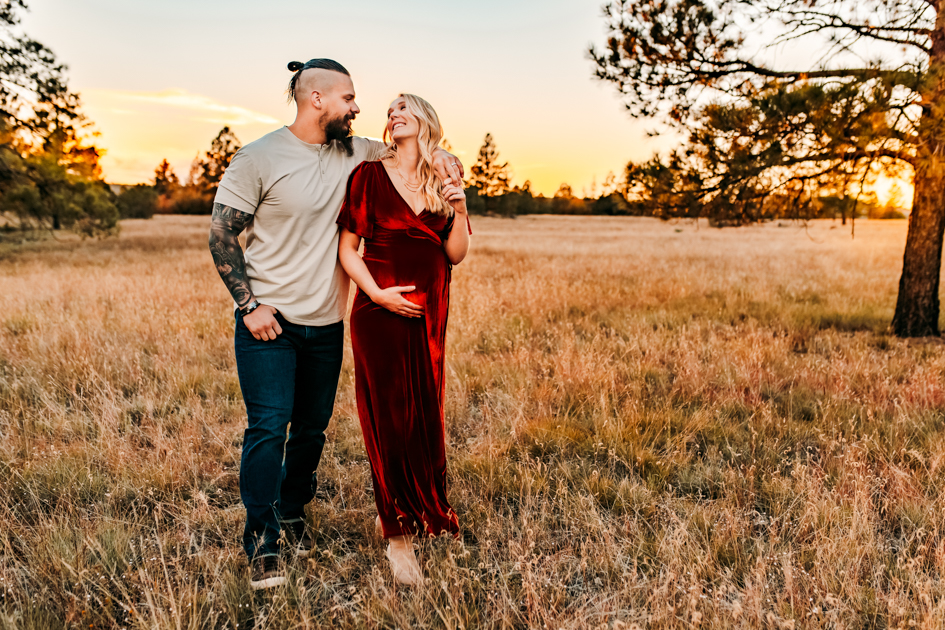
(650, 426)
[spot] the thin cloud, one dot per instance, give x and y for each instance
(202, 108)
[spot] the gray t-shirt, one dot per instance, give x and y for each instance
(295, 191)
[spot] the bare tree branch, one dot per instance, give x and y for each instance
(816, 21)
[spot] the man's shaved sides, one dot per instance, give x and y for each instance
(298, 69)
(317, 80)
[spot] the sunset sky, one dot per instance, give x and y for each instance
(159, 79)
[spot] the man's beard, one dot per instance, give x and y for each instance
(339, 130)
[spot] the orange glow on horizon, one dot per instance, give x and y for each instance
(139, 129)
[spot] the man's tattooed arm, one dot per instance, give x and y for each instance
(225, 226)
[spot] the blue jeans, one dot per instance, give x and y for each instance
(287, 383)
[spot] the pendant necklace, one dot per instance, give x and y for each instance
(411, 187)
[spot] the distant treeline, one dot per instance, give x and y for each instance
(488, 192)
(169, 195)
(520, 201)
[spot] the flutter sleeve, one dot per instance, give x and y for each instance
(357, 214)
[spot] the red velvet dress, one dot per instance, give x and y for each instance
(398, 361)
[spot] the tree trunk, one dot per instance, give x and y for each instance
(917, 307)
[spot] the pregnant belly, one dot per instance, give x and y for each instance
(418, 263)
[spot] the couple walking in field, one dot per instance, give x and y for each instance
(307, 195)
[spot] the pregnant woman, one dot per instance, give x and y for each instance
(414, 229)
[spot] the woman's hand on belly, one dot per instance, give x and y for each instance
(393, 300)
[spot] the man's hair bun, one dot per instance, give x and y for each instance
(295, 66)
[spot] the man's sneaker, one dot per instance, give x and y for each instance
(267, 572)
(298, 537)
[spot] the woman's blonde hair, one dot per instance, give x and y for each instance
(431, 189)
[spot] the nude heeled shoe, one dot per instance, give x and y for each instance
(378, 528)
(403, 563)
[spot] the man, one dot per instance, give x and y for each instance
(286, 190)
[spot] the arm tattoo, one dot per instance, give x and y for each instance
(225, 226)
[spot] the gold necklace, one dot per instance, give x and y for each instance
(408, 185)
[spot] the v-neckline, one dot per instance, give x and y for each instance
(401, 197)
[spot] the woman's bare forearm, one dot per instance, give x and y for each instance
(457, 244)
(354, 265)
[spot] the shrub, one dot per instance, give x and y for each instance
(137, 202)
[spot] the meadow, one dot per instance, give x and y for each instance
(650, 425)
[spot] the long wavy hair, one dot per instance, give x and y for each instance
(431, 132)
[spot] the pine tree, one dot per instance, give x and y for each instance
(764, 138)
(35, 97)
(165, 180)
(206, 172)
(49, 174)
(487, 174)
(564, 191)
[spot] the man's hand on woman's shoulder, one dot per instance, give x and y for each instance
(447, 166)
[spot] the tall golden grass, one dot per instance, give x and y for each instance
(650, 426)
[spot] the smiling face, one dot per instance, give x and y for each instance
(401, 123)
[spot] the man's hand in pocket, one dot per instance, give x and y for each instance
(262, 323)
